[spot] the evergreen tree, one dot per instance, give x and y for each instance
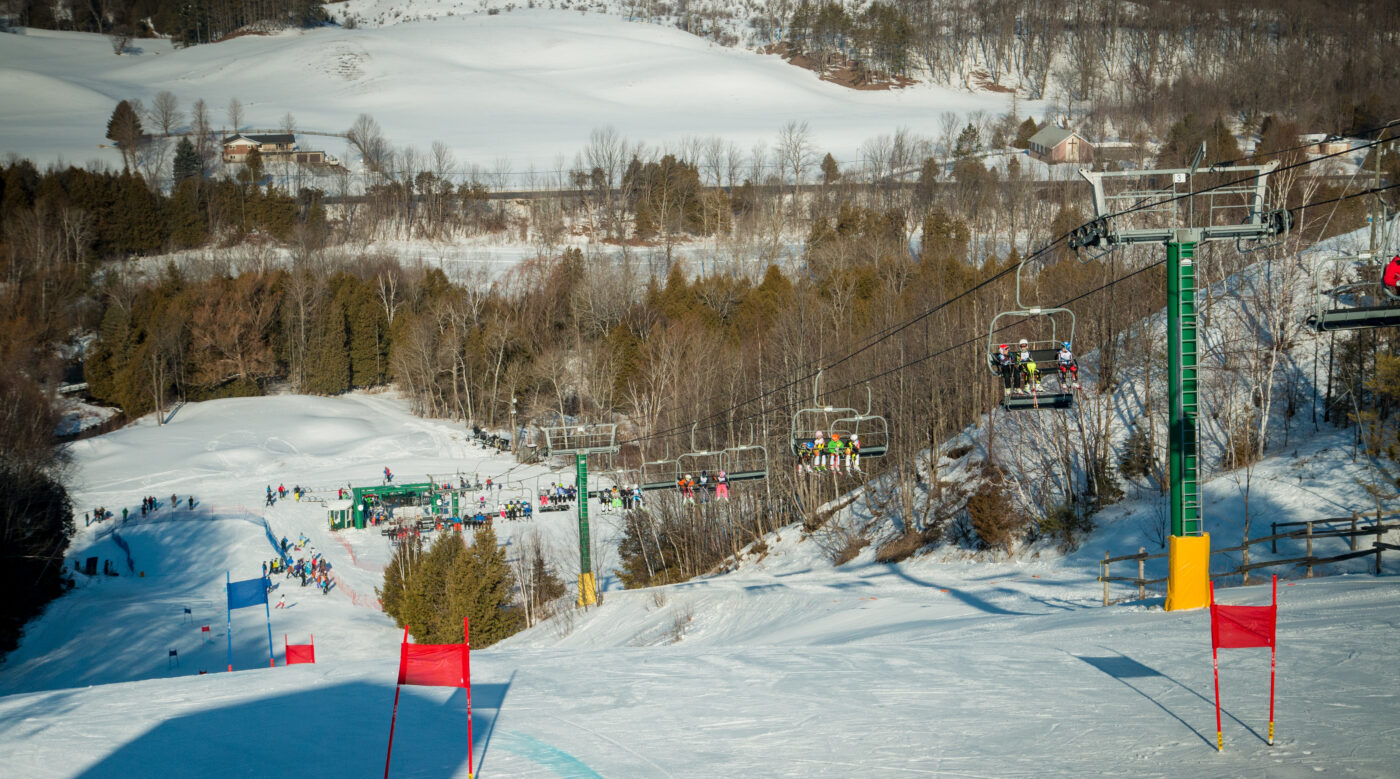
(482, 588)
(187, 217)
(969, 142)
(831, 172)
(398, 577)
(188, 165)
(369, 334)
(252, 172)
(1024, 132)
(124, 129)
(328, 358)
(1136, 459)
(424, 605)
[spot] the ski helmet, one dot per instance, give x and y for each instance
(836, 436)
(1065, 344)
(1024, 342)
(1003, 347)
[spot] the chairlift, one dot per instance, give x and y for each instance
(745, 462)
(872, 430)
(1044, 330)
(1358, 301)
(660, 474)
(808, 422)
(699, 460)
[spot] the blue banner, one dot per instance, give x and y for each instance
(249, 592)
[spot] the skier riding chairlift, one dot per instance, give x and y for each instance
(1069, 367)
(1390, 282)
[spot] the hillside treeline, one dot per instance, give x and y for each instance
(1138, 65)
(42, 300)
(186, 22)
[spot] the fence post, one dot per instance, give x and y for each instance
(1273, 542)
(1353, 531)
(1310, 554)
(1142, 561)
(1378, 542)
(1103, 566)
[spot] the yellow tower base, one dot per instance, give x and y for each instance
(1188, 572)
(587, 590)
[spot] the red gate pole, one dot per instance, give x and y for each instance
(390, 753)
(1215, 661)
(467, 661)
(1273, 662)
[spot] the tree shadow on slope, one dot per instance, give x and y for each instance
(333, 730)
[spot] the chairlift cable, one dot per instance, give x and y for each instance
(894, 329)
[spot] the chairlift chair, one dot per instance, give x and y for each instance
(1359, 302)
(873, 429)
(1043, 351)
(659, 474)
(807, 422)
(745, 462)
(697, 460)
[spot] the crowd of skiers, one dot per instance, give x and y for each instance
(310, 567)
(1020, 374)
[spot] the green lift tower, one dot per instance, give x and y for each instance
(1167, 207)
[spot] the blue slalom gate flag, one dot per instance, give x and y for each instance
(249, 592)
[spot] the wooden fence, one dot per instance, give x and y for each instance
(1349, 528)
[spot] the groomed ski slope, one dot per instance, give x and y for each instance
(788, 667)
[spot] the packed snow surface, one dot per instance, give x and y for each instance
(508, 92)
(786, 667)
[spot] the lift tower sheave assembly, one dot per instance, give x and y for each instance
(1168, 207)
(581, 441)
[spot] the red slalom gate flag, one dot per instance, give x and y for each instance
(1243, 627)
(299, 653)
(434, 665)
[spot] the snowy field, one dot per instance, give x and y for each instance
(788, 667)
(525, 87)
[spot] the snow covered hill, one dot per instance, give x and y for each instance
(509, 92)
(787, 667)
